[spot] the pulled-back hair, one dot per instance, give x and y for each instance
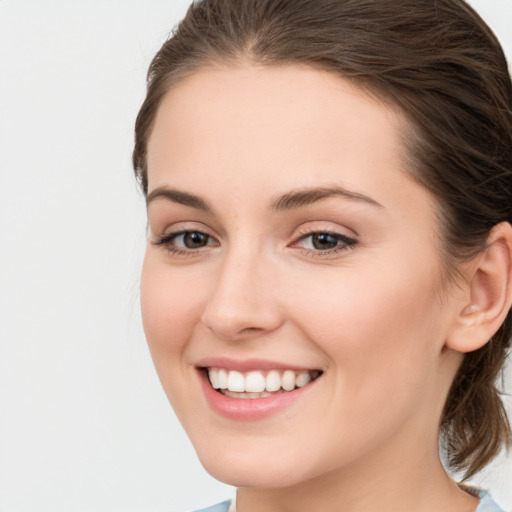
(443, 68)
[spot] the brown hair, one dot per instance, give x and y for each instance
(441, 65)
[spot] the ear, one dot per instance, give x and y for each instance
(489, 288)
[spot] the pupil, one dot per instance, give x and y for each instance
(194, 240)
(324, 241)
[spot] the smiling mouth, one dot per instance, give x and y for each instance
(258, 383)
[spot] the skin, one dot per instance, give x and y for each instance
(374, 316)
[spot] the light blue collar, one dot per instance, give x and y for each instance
(487, 504)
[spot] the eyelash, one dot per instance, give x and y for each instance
(345, 243)
(168, 242)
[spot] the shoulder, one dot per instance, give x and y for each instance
(220, 507)
(487, 504)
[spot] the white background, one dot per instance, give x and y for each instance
(84, 425)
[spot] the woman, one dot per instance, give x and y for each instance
(327, 282)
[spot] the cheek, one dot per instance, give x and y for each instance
(379, 339)
(170, 307)
(365, 310)
(380, 332)
(170, 313)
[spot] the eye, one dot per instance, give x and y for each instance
(191, 239)
(323, 241)
(183, 242)
(328, 243)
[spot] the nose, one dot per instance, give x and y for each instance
(241, 303)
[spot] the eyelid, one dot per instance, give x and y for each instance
(340, 236)
(167, 239)
(332, 228)
(346, 242)
(161, 230)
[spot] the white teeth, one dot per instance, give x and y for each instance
(288, 380)
(223, 379)
(214, 378)
(255, 384)
(302, 379)
(236, 381)
(246, 396)
(273, 381)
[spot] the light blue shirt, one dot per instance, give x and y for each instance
(220, 507)
(487, 504)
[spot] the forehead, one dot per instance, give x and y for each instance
(265, 110)
(246, 129)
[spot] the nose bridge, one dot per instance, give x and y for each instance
(240, 301)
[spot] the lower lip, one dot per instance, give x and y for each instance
(250, 409)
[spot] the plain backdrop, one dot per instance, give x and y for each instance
(84, 424)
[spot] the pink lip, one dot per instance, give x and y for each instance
(249, 409)
(246, 365)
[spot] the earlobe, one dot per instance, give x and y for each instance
(490, 293)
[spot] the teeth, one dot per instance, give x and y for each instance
(302, 379)
(288, 380)
(236, 381)
(246, 396)
(255, 384)
(214, 378)
(223, 379)
(273, 381)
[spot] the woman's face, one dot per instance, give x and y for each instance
(287, 244)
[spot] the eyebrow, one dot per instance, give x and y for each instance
(177, 196)
(287, 201)
(300, 198)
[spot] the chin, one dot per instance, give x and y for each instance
(253, 477)
(243, 469)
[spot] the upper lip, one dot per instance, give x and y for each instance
(246, 365)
